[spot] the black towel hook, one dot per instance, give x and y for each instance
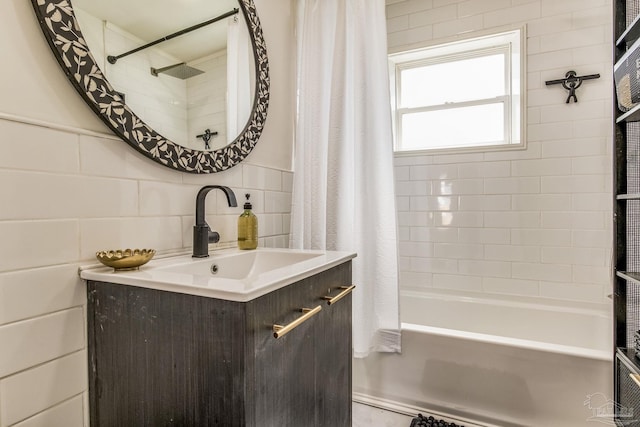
(571, 82)
(206, 137)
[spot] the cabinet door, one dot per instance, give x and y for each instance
(162, 359)
(334, 352)
(283, 376)
(304, 377)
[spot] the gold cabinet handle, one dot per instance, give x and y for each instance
(635, 378)
(280, 331)
(346, 290)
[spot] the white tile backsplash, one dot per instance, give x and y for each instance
(31, 244)
(560, 273)
(457, 282)
(458, 26)
(277, 202)
(575, 256)
(67, 414)
(262, 178)
(484, 235)
(160, 233)
(510, 286)
(484, 169)
(458, 219)
(553, 7)
(591, 201)
(38, 291)
(408, 7)
(407, 249)
(540, 237)
(568, 148)
(415, 280)
(64, 196)
(474, 7)
(400, 23)
(512, 185)
(590, 165)
(512, 253)
(41, 339)
(37, 389)
(538, 167)
(485, 268)
(484, 202)
(432, 16)
(455, 187)
(541, 202)
(512, 219)
(591, 238)
(590, 274)
(110, 157)
(458, 251)
(57, 150)
(512, 15)
(161, 198)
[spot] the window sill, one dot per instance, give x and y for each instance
(460, 150)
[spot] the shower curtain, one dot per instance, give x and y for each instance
(343, 192)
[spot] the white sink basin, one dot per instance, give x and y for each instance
(228, 274)
(240, 265)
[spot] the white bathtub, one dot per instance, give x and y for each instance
(500, 363)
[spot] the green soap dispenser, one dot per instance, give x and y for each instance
(247, 227)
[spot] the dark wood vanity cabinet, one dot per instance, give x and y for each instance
(160, 358)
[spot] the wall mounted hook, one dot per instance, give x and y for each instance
(571, 82)
(206, 137)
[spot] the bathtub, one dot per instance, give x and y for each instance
(494, 363)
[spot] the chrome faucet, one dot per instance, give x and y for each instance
(202, 234)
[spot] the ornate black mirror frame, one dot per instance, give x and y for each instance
(60, 27)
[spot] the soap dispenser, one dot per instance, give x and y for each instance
(247, 227)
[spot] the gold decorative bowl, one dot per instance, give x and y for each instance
(125, 259)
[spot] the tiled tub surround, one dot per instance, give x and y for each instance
(533, 223)
(83, 192)
(529, 227)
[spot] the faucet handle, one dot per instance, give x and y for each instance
(214, 236)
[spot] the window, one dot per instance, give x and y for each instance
(466, 94)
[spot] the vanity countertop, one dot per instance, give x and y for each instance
(229, 274)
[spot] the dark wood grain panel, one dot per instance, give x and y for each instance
(334, 350)
(164, 359)
(160, 358)
(284, 371)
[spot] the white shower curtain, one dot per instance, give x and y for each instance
(239, 72)
(343, 192)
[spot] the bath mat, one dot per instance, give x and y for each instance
(422, 421)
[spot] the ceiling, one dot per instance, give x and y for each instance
(150, 20)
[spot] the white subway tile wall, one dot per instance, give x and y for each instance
(533, 223)
(78, 194)
(68, 188)
(34, 390)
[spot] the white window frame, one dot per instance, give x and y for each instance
(509, 43)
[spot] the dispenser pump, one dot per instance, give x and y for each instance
(247, 227)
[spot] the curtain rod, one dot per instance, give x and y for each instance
(113, 59)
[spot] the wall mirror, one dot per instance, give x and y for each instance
(184, 83)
